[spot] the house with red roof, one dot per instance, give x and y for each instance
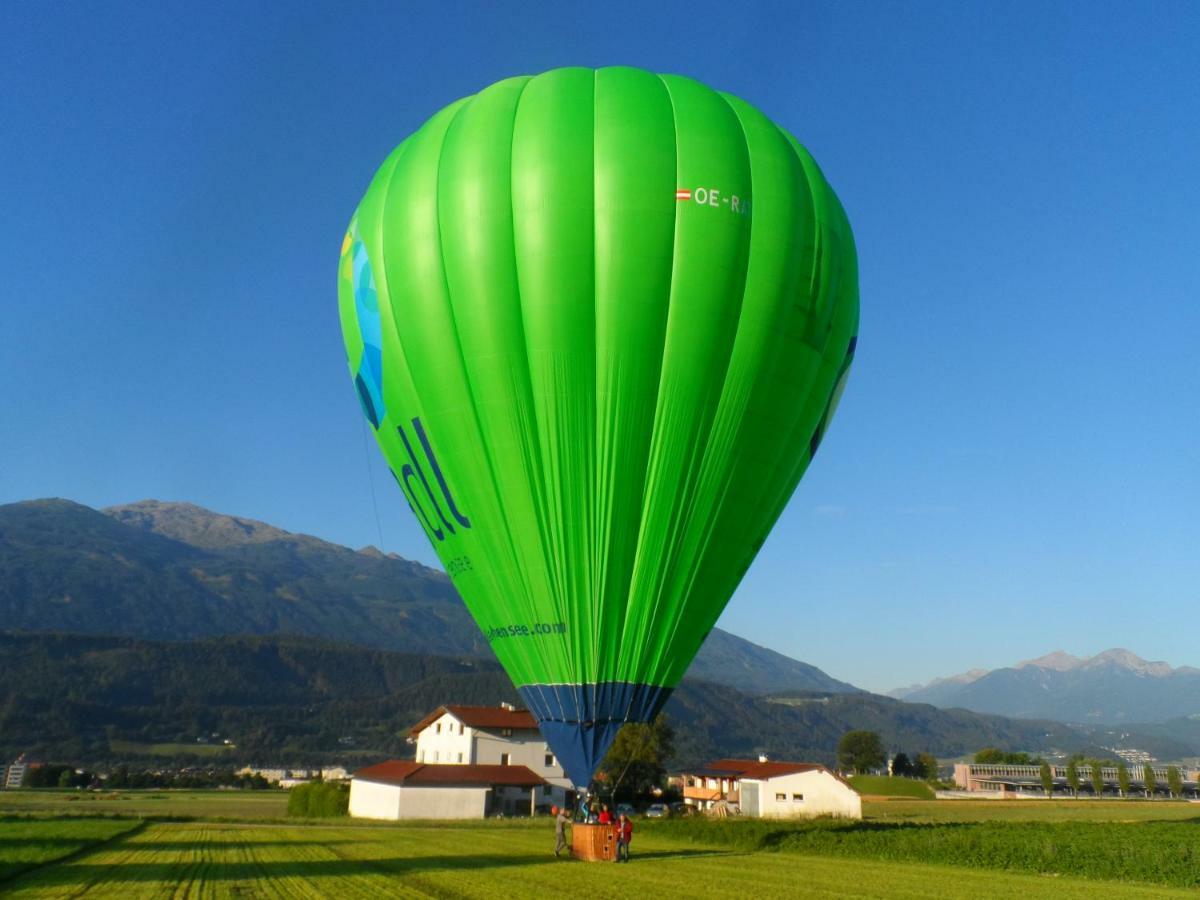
(403, 789)
(766, 789)
(501, 735)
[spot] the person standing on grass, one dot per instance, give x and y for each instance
(624, 835)
(560, 825)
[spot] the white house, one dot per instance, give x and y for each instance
(490, 735)
(771, 789)
(400, 789)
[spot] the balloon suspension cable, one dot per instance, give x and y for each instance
(612, 797)
(371, 481)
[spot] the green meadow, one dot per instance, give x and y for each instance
(883, 786)
(233, 844)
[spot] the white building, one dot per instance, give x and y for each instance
(771, 789)
(490, 736)
(400, 789)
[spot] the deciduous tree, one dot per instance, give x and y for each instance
(1047, 776)
(926, 766)
(861, 751)
(637, 760)
(1174, 781)
(1150, 779)
(1073, 776)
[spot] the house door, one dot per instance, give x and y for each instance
(750, 798)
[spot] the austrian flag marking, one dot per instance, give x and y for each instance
(683, 194)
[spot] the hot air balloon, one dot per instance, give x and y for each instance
(599, 321)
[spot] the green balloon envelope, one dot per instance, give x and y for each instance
(599, 321)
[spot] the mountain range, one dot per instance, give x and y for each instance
(1113, 687)
(301, 700)
(176, 571)
(164, 622)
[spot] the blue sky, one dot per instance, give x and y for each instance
(1012, 469)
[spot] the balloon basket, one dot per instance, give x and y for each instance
(594, 843)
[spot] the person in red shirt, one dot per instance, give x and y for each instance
(605, 816)
(624, 835)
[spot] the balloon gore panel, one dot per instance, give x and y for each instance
(599, 322)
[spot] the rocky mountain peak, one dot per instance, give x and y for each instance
(1059, 661)
(1127, 659)
(195, 525)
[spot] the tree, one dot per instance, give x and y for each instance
(901, 765)
(926, 766)
(318, 800)
(636, 762)
(1123, 778)
(1150, 779)
(990, 756)
(1174, 781)
(860, 751)
(1047, 776)
(995, 756)
(1073, 776)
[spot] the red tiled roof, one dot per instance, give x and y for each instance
(752, 768)
(399, 771)
(394, 771)
(479, 717)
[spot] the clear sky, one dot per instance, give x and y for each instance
(1013, 467)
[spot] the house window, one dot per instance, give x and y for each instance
(505, 732)
(504, 759)
(781, 798)
(438, 728)
(549, 760)
(797, 798)
(460, 757)
(460, 727)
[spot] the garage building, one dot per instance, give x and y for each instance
(401, 789)
(771, 789)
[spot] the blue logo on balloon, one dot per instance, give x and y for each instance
(369, 377)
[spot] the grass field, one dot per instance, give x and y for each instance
(242, 805)
(882, 786)
(905, 849)
(1034, 811)
(228, 860)
(26, 844)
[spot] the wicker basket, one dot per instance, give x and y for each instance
(594, 843)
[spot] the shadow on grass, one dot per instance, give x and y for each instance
(80, 873)
(635, 856)
(49, 843)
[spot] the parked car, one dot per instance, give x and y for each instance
(626, 809)
(679, 808)
(657, 811)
